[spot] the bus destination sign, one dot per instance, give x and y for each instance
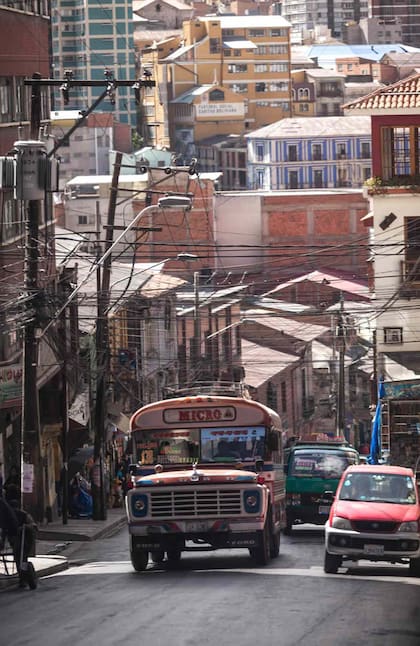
(199, 415)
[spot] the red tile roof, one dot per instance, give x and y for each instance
(402, 95)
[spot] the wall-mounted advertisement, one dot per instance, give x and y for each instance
(206, 110)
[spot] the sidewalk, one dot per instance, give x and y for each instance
(55, 538)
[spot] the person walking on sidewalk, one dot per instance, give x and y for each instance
(8, 524)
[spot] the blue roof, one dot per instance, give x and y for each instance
(327, 54)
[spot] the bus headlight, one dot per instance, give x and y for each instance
(252, 501)
(139, 505)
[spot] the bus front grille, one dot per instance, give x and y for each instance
(196, 503)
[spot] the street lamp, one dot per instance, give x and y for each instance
(102, 349)
(168, 201)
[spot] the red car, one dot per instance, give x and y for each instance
(375, 515)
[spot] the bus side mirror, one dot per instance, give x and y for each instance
(259, 465)
(273, 441)
(132, 469)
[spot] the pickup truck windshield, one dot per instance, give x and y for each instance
(320, 464)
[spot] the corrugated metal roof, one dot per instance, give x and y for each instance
(322, 277)
(190, 95)
(297, 329)
(262, 363)
(141, 278)
(314, 127)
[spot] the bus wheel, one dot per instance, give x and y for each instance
(332, 562)
(262, 551)
(174, 555)
(158, 556)
(139, 560)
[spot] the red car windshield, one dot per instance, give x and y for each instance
(378, 487)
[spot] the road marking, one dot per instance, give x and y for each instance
(124, 567)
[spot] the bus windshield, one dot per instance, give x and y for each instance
(320, 463)
(185, 446)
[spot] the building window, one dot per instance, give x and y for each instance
(318, 183)
(271, 396)
(259, 152)
(283, 394)
(259, 177)
(235, 68)
(214, 46)
(216, 95)
(316, 152)
(412, 249)
(292, 153)
(393, 335)
(303, 107)
(83, 219)
(365, 150)
(239, 88)
(293, 179)
(340, 150)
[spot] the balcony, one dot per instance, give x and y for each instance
(382, 185)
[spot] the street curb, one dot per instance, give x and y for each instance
(44, 534)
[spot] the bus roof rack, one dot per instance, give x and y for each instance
(227, 389)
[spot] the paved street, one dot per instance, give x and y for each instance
(214, 598)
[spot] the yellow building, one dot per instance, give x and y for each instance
(224, 75)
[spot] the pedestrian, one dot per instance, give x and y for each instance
(11, 483)
(8, 524)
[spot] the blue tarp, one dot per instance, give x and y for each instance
(375, 442)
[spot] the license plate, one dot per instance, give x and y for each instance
(324, 509)
(196, 526)
(374, 550)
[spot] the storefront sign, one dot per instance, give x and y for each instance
(11, 378)
(220, 109)
(401, 389)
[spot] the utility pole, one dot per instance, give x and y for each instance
(341, 338)
(29, 154)
(102, 354)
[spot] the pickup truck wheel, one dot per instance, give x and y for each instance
(174, 555)
(262, 552)
(139, 560)
(331, 563)
(158, 556)
(415, 567)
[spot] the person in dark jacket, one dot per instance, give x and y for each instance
(11, 483)
(9, 526)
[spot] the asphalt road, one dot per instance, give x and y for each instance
(214, 599)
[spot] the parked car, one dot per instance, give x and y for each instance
(375, 515)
